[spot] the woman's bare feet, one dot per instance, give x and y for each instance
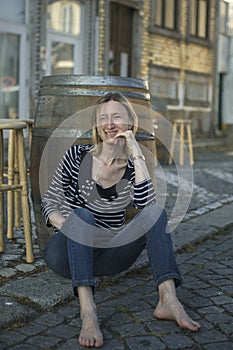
(90, 334)
(169, 308)
(174, 311)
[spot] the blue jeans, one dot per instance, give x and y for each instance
(82, 263)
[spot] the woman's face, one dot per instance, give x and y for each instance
(112, 119)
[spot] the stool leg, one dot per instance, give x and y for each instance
(172, 145)
(190, 144)
(16, 193)
(25, 201)
(1, 194)
(10, 194)
(182, 144)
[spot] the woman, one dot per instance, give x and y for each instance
(89, 193)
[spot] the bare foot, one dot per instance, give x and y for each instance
(90, 334)
(174, 311)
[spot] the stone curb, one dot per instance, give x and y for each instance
(24, 298)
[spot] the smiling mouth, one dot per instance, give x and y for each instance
(111, 133)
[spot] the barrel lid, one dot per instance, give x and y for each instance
(84, 80)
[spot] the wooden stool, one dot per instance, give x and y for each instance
(30, 123)
(181, 126)
(15, 146)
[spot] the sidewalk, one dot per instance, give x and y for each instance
(31, 293)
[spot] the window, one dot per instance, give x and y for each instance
(164, 84)
(224, 17)
(199, 18)
(165, 14)
(196, 89)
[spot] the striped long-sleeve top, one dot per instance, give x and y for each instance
(72, 186)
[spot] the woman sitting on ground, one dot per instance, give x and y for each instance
(86, 205)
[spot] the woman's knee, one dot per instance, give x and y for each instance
(85, 215)
(55, 254)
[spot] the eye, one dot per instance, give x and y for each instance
(103, 118)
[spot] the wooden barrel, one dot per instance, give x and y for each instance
(60, 96)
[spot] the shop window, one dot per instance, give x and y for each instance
(64, 16)
(224, 6)
(164, 84)
(13, 11)
(199, 18)
(165, 14)
(196, 89)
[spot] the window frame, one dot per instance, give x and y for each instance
(201, 79)
(195, 37)
(162, 72)
(166, 31)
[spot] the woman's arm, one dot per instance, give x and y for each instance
(55, 198)
(134, 151)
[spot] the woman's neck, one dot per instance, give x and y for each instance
(111, 152)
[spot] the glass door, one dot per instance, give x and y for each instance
(12, 73)
(63, 55)
(64, 37)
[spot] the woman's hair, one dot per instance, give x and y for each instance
(118, 97)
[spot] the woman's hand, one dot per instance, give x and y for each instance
(128, 137)
(57, 220)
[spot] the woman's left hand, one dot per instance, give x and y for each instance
(131, 143)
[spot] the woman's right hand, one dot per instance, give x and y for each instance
(57, 220)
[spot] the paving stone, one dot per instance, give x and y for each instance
(133, 328)
(69, 311)
(221, 300)
(63, 331)
(71, 344)
(211, 310)
(11, 338)
(32, 329)
(177, 341)
(12, 312)
(219, 318)
(44, 342)
(8, 272)
(226, 328)
(140, 343)
(219, 346)
(50, 319)
(208, 337)
(45, 288)
(25, 267)
(25, 347)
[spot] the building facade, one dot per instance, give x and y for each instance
(171, 43)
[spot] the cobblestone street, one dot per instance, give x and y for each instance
(39, 311)
(126, 308)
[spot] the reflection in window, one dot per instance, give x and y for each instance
(64, 16)
(62, 58)
(164, 83)
(165, 14)
(9, 75)
(13, 11)
(199, 18)
(224, 17)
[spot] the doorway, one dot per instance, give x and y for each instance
(121, 29)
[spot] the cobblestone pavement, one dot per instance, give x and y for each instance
(126, 309)
(39, 312)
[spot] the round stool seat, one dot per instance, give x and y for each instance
(183, 121)
(12, 124)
